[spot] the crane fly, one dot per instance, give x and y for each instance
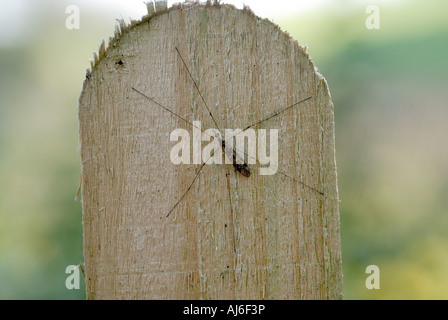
(237, 161)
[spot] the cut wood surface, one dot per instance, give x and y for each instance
(231, 237)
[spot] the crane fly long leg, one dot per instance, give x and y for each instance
(191, 185)
(183, 119)
(241, 168)
(166, 109)
(197, 88)
(272, 116)
(175, 114)
(303, 184)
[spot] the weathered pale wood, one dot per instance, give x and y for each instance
(262, 237)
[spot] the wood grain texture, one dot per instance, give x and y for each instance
(232, 237)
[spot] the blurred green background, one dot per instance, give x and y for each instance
(389, 88)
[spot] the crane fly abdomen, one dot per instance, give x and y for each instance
(242, 168)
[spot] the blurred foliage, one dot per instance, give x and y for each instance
(389, 91)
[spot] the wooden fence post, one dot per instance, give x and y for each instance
(230, 237)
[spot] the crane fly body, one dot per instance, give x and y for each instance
(237, 161)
